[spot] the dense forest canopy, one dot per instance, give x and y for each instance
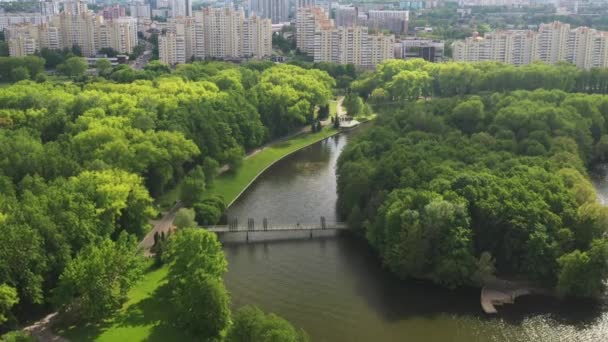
(450, 188)
(81, 161)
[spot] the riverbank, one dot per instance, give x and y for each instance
(144, 316)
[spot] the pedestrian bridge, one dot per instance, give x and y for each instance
(250, 232)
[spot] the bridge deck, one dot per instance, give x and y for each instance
(276, 227)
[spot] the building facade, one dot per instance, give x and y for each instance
(275, 10)
(75, 27)
(552, 43)
(427, 49)
(181, 8)
(217, 33)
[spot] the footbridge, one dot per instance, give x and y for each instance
(267, 231)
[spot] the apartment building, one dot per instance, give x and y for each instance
(319, 37)
(181, 8)
(275, 10)
(394, 21)
(76, 26)
(308, 21)
(553, 43)
(352, 45)
(219, 33)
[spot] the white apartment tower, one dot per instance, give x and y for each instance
(553, 43)
(181, 8)
(220, 33)
(75, 26)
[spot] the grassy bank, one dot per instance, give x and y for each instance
(146, 316)
(231, 184)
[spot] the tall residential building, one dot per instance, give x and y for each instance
(75, 27)
(49, 7)
(304, 3)
(140, 10)
(352, 45)
(308, 21)
(181, 8)
(219, 33)
(394, 21)
(275, 10)
(347, 16)
(553, 43)
(113, 12)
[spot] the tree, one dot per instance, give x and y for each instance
(468, 116)
(19, 74)
(202, 305)
(95, 283)
(210, 168)
(103, 67)
(582, 274)
(74, 67)
(191, 251)
(251, 324)
(193, 188)
(196, 266)
(17, 336)
(185, 219)
(8, 298)
(353, 104)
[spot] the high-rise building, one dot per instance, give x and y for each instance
(347, 16)
(275, 10)
(49, 7)
(74, 27)
(308, 21)
(219, 33)
(553, 43)
(140, 11)
(394, 21)
(113, 12)
(181, 8)
(304, 3)
(352, 45)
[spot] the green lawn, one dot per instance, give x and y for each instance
(145, 317)
(230, 184)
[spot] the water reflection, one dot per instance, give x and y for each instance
(337, 290)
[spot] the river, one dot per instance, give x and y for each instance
(336, 289)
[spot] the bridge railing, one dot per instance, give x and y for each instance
(276, 227)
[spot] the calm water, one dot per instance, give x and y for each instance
(337, 290)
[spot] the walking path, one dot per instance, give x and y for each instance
(42, 332)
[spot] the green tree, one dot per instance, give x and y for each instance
(193, 187)
(95, 283)
(73, 67)
(184, 218)
(196, 266)
(202, 305)
(251, 324)
(8, 298)
(210, 168)
(20, 74)
(103, 67)
(353, 104)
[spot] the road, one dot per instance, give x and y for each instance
(141, 61)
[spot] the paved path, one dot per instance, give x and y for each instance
(42, 331)
(162, 225)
